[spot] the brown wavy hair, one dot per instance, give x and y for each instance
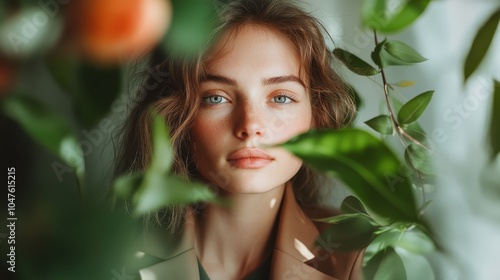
(175, 96)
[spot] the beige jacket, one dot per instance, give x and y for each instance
(294, 256)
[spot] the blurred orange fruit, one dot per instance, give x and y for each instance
(110, 31)
(7, 76)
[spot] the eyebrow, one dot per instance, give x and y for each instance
(267, 81)
(283, 79)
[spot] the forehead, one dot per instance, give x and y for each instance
(250, 40)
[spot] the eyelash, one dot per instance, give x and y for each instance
(205, 99)
(284, 94)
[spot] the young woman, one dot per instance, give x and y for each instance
(264, 78)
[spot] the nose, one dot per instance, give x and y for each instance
(250, 122)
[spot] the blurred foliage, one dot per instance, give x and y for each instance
(481, 44)
(397, 243)
(191, 28)
(364, 163)
(377, 15)
(494, 129)
(147, 190)
(93, 88)
(74, 239)
(81, 239)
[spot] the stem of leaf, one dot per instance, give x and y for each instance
(399, 130)
(386, 90)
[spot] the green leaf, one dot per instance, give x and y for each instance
(375, 15)
(160, 190)
(41, 123)
(97, 89)
(49, 129)
(71, 152)
(191, 28)
(364, 163)
(417, 266)
(408, 14)
(414, 241)
(385, 265)
(351, 204)
(64, 225)
(352, 232)
(354, 63)
(419, 158)
(495, 120)
(376, 54)
(414, 108)
(480, 45)
(162, 149)
(381, 124)
(342, 217)
(399, 53)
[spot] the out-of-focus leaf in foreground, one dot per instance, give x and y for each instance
(386, 264)
(375, 15)
(74, 239)
(348, 232)
(191, 26)
(481, 44)
(156, 187)
(45, 126)
(29, 32)
(364, 163)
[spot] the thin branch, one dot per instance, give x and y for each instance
(386, 90)
(399, 130)
(411, 138)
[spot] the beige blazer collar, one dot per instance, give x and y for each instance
(294, 246)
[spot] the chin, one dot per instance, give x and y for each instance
(250, 186)
(228, 179)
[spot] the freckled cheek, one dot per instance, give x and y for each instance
(289, 125)
(206, 135)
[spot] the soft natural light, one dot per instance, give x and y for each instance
(272, 203)
(303, 249)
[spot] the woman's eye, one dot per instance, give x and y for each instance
(214, 99)
(282, 99)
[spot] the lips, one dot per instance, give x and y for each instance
(249, 158)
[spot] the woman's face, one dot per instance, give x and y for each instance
(252, 96)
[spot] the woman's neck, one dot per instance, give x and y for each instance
(233, 241)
